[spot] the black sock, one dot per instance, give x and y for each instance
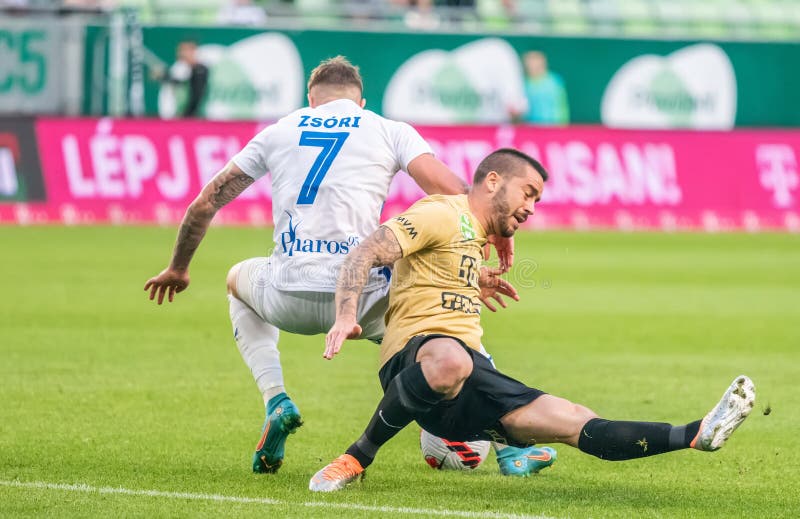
(617, 440)
(408, 394)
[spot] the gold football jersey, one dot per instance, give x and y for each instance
(435, 285)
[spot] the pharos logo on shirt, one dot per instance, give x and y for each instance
(292, 243)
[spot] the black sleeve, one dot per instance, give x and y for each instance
(197, 89)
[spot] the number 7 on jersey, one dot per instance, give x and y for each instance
(331, 144)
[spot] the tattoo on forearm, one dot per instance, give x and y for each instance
(223, 188)
(190, 235)
(380, 249)
(228, 187)
(345, 304)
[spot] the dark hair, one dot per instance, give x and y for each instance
(507, 162)
(336, 72)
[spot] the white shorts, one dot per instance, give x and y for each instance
(306, 313)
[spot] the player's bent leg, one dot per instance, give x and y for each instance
(257, 341)
(619, 440)
(256, 338)
(231, 280)
(258, 344)
(520, 461)
(445, 365)
(547, 419)
(407, 393)
(554, 419)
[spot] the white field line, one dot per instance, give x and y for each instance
(42, 485)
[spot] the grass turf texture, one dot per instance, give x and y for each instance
(102, 387)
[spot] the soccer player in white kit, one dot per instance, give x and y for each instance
(331, 165)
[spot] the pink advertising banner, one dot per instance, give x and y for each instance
(148, 171)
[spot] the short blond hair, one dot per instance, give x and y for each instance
(336, 72)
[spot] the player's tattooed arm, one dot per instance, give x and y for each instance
(380, 249)
(224, 187)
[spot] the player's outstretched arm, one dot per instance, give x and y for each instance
(381, 248)
(224, 187)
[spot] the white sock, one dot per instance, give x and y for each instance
(258, 343)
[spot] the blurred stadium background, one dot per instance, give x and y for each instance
(676, 118)
(571, 81)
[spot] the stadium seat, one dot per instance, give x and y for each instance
(533, 15)
(793, 17)
(681, 19)
(493, 14)
(673, 18)
(568, 17)
(638, 18)
(200, 12)
(318, 13)
(144, 9)
(707, 18)
(740, 20)
(604, 16)
(772, 21)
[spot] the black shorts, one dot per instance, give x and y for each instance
(475, 413)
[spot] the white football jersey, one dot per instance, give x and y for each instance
(331, 167)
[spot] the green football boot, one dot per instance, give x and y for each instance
(283, 419)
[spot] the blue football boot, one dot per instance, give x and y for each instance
(283, 419)
(515, 461)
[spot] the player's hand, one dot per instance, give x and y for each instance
(505, 250)
(342, 329)
(169, 283)
(494, 287)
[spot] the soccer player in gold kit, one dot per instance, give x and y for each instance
(431, 368)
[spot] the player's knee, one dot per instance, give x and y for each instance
(583, 414)
(458, 366)
(578, 416)
(448, 368)
(232, 279)
(573, 415)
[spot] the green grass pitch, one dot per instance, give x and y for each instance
(100, 387)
